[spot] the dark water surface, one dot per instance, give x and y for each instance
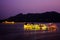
(16, 32)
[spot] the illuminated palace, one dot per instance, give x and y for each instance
(40, 27)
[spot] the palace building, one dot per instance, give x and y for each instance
(41, 27)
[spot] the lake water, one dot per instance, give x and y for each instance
(16, 32)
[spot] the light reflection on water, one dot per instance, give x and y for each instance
(14, 30)
(18, 26)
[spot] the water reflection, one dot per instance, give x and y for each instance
(36, 31)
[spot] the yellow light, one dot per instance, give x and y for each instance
(6, 22)
(44, 26)
(36, 27)
(13, 22)
(39, 27)
(31, 27)
(27, 27)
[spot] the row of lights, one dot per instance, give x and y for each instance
(7, 22)
(50, 27)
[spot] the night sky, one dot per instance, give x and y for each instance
(14, 7)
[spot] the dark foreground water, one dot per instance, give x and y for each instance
(16, 32)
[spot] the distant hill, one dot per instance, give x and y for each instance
(36, 17)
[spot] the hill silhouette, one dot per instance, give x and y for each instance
(36, 17)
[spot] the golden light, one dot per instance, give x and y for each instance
(7, 22)
(43, 27)
(27, 27)
(31, 27)
(36, 27)
(13, 22)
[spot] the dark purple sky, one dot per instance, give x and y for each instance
(13, 7)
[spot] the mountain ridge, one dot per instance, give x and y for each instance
(37, 17)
